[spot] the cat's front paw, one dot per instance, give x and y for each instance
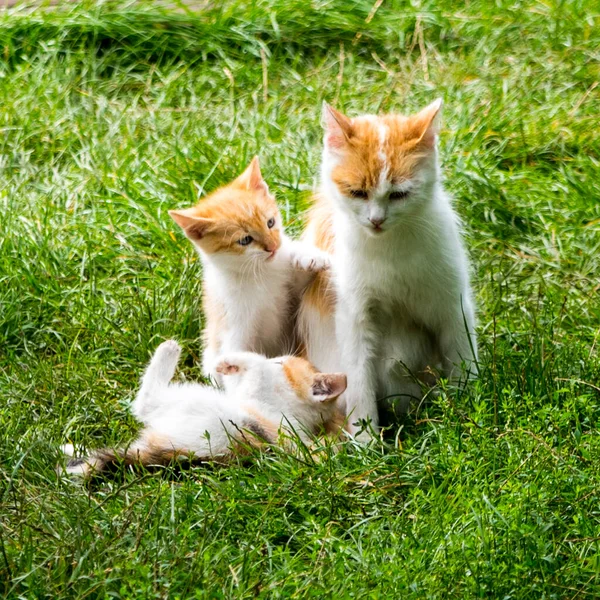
(313, 262)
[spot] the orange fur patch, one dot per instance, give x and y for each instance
(242, 208)
(300, 374)
(362, 164)
(320, 294)
(235, 213)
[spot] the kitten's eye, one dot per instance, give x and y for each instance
(245, 240)
(398, 195)
(363, 194)
(271, 223)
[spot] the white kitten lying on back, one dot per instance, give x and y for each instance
(262, 398)
(253, 272)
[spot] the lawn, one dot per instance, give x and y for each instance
(111, 114)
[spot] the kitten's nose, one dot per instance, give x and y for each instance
(271, 249)
(377, 222)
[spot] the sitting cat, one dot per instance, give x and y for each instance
(253, 273)
(397, 301)
(262, 398)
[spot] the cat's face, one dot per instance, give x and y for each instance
(239, 220)
(289, 383)
(380, 169)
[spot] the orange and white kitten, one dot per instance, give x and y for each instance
(400, 300)
(262, 399)
(253, 272)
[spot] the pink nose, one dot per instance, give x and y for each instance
(377, 223)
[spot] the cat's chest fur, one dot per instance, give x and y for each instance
(400, 276)
(253, 305)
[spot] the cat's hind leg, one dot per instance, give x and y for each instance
(158, 375)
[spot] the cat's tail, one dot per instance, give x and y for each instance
(147, 451)
(158, 375)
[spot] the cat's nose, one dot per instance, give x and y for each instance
(271, 249)
(377, 222)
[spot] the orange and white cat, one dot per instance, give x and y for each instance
(262, 399)
(253, 272)
(397, 301)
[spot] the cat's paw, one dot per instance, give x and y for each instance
(169, 350)
(313, 262)
(235, 363)
(227, 368)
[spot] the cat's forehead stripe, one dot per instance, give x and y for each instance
(382, 149)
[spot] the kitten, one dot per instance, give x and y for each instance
(262, 398)
(400, 301)
(253, 273)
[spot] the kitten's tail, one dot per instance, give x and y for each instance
(148, 452)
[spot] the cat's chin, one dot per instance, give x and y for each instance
(375, 232)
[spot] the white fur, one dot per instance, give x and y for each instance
(403, 293)
(257, 297)
(203, 420)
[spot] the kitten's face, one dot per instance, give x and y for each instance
(289, 383)
(380, 169)
(241, 219)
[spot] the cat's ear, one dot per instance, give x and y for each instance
(338, 127)
(426, 124)
(251, 179)
(328, 386)
(194, 227)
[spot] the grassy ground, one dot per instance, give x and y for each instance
(111, 115)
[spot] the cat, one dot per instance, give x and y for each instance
(397, 302)
(253, 272)
(262, 398)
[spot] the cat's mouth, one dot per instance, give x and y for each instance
(375, 230)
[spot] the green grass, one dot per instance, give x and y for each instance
(111, 114)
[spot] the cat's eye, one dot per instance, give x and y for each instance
(271, 223)
(398, 195)
(362, 194)
(245, 240)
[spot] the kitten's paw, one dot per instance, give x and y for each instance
(169, 350)
(313, 262)
(227, 368)
(237, 362)
(170, 347)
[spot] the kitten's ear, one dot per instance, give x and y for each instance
(338, 127)
(328, 386)
(194, 227)
(251, 179)
(426, 124)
